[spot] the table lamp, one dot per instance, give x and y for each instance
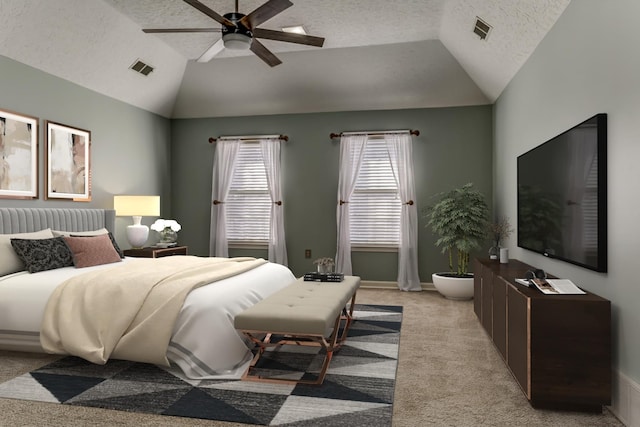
(137, 207)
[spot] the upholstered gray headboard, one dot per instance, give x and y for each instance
(24, 220)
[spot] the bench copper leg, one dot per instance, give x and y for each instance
(347, 317)
(330, 344)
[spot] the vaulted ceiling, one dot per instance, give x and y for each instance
(378, 54)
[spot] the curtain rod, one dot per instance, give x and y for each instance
(376, 133)
(249, 137)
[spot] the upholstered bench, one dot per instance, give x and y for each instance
(303, 313)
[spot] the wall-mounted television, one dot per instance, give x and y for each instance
(562, 196)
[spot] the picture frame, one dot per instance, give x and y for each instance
(18, 155)
(67, 162)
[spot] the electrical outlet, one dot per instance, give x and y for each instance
(307, 253)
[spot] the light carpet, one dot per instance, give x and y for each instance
(358, 389)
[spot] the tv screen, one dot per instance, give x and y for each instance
(562, 196)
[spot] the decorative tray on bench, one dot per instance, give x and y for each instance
(323, 277)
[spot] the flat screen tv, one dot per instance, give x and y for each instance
(562, 196)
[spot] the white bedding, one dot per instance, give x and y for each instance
(204, 343)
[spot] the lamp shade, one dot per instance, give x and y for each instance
(136, 205)
(236, 41)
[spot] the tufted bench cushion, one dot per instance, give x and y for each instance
(303, 313)
(308, 308)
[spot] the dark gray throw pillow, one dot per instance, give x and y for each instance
(115, 245)
(43, 254)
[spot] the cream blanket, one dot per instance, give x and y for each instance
(128, 312)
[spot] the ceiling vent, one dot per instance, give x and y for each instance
(481, 28)
(141, 67)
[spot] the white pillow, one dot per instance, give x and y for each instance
(58, 233)
(10, 262)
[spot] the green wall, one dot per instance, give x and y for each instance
(130, 147)
(137, 152)
(574, 73)
(454, 147)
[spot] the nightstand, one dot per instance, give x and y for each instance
(151, 252)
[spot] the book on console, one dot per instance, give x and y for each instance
(557, 286)
(524, 282)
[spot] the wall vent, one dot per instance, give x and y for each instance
(141, 67)
(481, 28)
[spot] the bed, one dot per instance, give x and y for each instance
(204, 343)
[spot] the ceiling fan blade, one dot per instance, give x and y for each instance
(265, 12)
(213, 50)
(181, 30)
(264, 53)
(210, 13)
(288, 37)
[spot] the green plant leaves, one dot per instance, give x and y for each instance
(459, 218)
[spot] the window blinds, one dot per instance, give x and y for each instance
(248, 204)
(375, 206)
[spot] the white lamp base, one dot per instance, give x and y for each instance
(137, 234)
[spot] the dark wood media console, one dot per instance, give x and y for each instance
(558, 347)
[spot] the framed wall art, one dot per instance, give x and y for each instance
(67, 161)
(18, 156)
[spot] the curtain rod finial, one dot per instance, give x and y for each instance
(212, 140)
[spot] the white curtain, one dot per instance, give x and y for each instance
(583, 146)
(351, 155)
(271, 155)
(223, 167)
(400, 148)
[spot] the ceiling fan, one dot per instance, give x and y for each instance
(239, 31)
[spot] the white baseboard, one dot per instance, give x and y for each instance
(626, 400)
(377, 284)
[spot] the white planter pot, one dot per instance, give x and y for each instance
(455, 288)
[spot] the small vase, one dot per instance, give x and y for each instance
(504, 256)
(494, 252)
(324, 269)
(168, 236)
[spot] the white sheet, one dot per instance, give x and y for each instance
(204, 344)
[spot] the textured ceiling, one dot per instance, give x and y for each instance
(378, 54)
(342, 23)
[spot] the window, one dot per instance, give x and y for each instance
(374, 206)
(248, 205)
(377, 210)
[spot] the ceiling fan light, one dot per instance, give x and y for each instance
(236, 41)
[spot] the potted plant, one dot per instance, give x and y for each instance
(459, 219)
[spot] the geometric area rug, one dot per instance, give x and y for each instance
(357, 390)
